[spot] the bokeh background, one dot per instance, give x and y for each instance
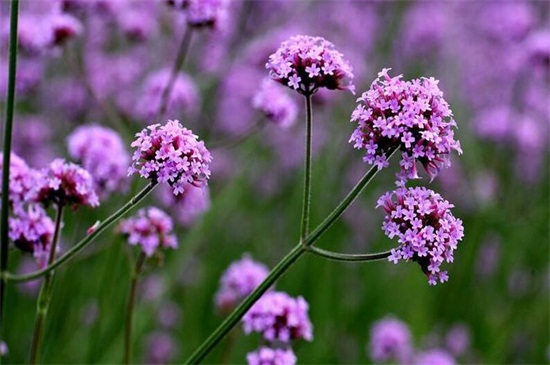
(492, 59)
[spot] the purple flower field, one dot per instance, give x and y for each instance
(275, 182)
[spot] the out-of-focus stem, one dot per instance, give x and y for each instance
(178, 64)
(45, 294)
(130, 308)
(8, 122)
(89, 238)
(345, 257)
(307, 170)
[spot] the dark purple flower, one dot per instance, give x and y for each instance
(171, 154)
(238, 281)
(279, 317)
(411, 116)
(268, 356)
(151, 229)
(274, 104)
(425, 228)
(101, 151)
(65, 183)
(390, 339)
(306, 63)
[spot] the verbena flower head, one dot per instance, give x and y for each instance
(151, 229)
(279, 317)
(411, 116)
(390, 339)
(202, 13)
(426, 230)
(31, 230)
(276, 106)
(101, 152)
(268, 356)
(172, 154)
(434, 357)
(238, 281)
(161, 348)
(307, 63)
(188, 206)
(22, 179)
(65, 183)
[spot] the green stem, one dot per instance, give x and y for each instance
(8, 123)
(346, 257)
(178, 64)
(45, 294)
(307, 173)
(89, 238)
(233, 319)
(237, 140)
(130, 308)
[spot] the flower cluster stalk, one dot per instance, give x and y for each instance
(307, 173)
(130, 308)
(45, 294)
(8, 122)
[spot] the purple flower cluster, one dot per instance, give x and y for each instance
(188, 206)
(22, 180)
(64, 183)
(203, 13)
(171, 154)
(101, 152)
(276, 106)
(409, 115)
(426, 230)
(434, 357)
(238, 281)
(268, 356)
(279, 317)
(390, 339)
(307, 63)
(183, 96)
(151, 229)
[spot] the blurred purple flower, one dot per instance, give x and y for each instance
(169, 315)
(171, 154)
(306, 63)
(434, 357)
(161, 348)
(151, 229)
(65, 183)
(268, 356)
(32, 140)
(457, 340)
(279, 317)
(238, 281)
(409, 115)
(206, 13)
(489, 255)
(427, 231)
(101, 151)
(31, 230)
(276, 106)
(21, 182)
(188, 206)
(495, 123)
(390, 340)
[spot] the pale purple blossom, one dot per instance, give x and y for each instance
(151, 229)
(275, 104)
(187, 207)
(429, 242)
(21, 183)
(457, 340)
(161, 348)
(390, 339)
(203, 13)
(65, 183)
(410, 116)
(434, 357)
(279, 317)
(172, 154)
(101, 151)
(269, 356)
(238, 281)
(306, 63)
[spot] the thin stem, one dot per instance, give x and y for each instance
(345, 257)
(130, 308)
(178, 64)
(89, 238)
(8, 123)
(235, 141)
(307, 170)
(45, 294)
(233, 319)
